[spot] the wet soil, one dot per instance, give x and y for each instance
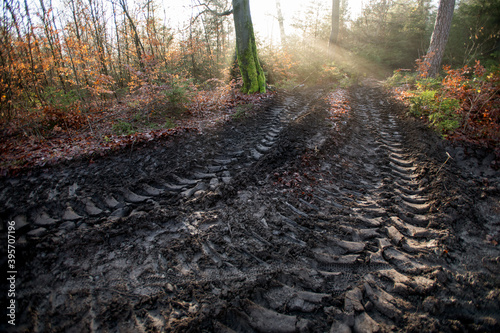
(286, 221)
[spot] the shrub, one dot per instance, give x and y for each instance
(445, 117)
(123, 128)
(178, 93)
(61, 99)
(464, 105)
(401, 78)
(422, 103)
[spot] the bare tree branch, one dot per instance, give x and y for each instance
(213, 12)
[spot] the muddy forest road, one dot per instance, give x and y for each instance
(281, 222)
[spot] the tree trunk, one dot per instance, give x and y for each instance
(440, 36)
(49, 33)
(118, 49)
(280, 21)
(77, 21)
(34, 73)
(248, 60)
(99, 34)
(150, 23)
(137, 41)
(334, 34)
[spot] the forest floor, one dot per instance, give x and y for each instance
(293, 219)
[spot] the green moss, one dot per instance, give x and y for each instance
(253, 76)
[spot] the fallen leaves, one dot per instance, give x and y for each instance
(73, 135)
(340, 106)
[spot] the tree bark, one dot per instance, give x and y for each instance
(77, 21)
(49, 33)
(139, 48)
(99, 34)
(248, 60)
(439, 36)
(34, 73)
(281, 24)
(120, 75)
(334, 34)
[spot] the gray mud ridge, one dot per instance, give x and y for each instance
(284, 222)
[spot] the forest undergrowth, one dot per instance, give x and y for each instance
(64, 131)
(63, 126)
(463, 105)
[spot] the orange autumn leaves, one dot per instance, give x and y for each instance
(469, 95)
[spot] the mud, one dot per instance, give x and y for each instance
(281, 222)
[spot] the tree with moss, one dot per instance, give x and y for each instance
(252, 74)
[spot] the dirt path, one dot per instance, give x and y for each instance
(277, 223)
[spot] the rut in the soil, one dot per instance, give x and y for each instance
(62, 202)
(351, 242)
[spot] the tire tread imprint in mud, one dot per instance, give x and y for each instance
(276, 223)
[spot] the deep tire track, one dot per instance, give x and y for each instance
(349, 239)
(52, 201)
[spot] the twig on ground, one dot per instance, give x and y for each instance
(302, 83)
(449, 156)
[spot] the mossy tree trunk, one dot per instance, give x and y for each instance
(253, 76)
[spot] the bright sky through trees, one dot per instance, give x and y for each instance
(178, 14)
(264, 14)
